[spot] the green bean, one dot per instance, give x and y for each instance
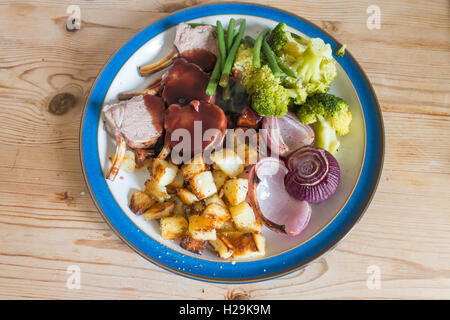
(296, 36)
(194, 25)
(215, 75)
(285, 68)
(226, 92)
(230, 59)
(250, 41)
(230, 34)
(222, 45)
(257, 48)
(271, 59)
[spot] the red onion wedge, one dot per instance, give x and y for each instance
(313, 174)
(286, 134)
(270, 201)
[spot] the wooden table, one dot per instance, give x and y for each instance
(48, 222)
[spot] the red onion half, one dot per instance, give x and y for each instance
(313, 175)
(286, 134)
(271, 203)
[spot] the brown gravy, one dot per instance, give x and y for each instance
(201, 57)
(155, 105)
(185, 82)
(209, 114)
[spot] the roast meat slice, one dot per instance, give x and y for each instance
(199, 45)
(139, 120)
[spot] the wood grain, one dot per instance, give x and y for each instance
(48, 221)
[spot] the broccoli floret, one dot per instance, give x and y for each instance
(334, 110)
(340, 53)
(267, 96)
(311, 59)
(283, 42)
(325, 136)
(296, 90)
(243, 64)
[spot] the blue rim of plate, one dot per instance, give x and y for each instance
(239, 272)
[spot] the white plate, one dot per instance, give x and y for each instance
(350, 155)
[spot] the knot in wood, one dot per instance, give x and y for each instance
(61, 103)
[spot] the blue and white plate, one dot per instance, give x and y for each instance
(360, 157)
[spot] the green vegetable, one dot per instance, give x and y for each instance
(194, 25)
(232, 54)
(257, 48)
(340, 53)
(226, 92)
(214, 79)
(249, 41)
(284, 42)
(271, 59)
(325, 136)
(295, 88)
(230, 34)
(286, 69)
(267, 96)
(311, 59)
(221, 38)
(243, 63)
(333, 109)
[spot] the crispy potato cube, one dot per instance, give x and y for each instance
(186, 196)
(219, 178)
(157, 191)
(247, 245)
(193, 245)
(173, 227)
(140, 201)
(179, 208)
(163, 172)
(235, 190)
(222, 246)
(227, 226)
(192, 168)
(171, 190)
(244, 218)
(202, 185)
(197, 207)
(159, 210)
(128, 164)
(228, 161)
(251, 155)
(202, 228)
(214, 199)
(178, 182)
(246, 173)
(218, 213)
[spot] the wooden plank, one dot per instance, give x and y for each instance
(48, 221)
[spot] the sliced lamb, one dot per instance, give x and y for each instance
(138, 120)
(199, 44)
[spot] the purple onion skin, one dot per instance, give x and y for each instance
(314, 189)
